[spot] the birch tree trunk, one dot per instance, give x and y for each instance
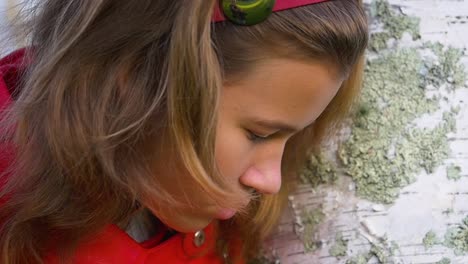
(432, 203)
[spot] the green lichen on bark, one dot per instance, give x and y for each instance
(394, 24)
(450, 120)
(447, 67)
(426, 148)
(377, 252)
(381, 252)
(385, 149)
(378, 40)
(310, 220)
(340, 246)
(457, 237)
(318, 170)
(443, 261)
(453, 172)
(359, 259)
(430, 239)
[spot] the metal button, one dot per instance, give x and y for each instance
(199, 238)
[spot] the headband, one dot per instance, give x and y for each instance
(251, 12)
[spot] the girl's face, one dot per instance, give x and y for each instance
(257, 116)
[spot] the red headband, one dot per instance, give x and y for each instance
(279, 5)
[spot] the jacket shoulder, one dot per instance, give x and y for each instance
(11, 68)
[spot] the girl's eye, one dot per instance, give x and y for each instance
(256, 138)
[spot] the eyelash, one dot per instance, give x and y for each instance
(256, 138)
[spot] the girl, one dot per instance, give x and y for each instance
(160, 131)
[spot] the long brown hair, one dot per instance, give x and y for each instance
(105, 78)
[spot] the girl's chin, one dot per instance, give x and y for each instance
(185, 224)
(225, 214)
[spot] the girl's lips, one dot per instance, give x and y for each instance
(225, 214)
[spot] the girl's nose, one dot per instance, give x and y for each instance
(264, 178)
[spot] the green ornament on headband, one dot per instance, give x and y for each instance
(247, 12)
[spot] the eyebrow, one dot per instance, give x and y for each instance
(277, 125)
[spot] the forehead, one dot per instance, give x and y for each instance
(283, 89)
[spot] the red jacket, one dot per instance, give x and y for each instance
(113, 245)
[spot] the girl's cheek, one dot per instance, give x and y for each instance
(234, 156)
